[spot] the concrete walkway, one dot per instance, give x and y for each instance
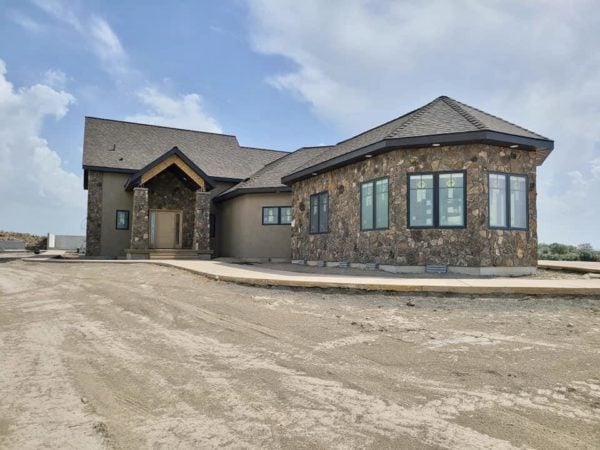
(257, 276)
(571, 266)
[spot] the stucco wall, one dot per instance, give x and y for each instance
(474, 246)
(242, 233)
(113, 242)
(215, 242)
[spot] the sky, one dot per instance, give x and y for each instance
(284, 74)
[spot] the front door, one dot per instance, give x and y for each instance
(165, 229)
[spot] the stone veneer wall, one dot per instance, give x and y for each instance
(474, 246)
(94, 213)
(201, 231)
(167, 191)
(140, 219)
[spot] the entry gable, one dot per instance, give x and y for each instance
(173, 157)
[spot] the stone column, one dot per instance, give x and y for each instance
(139, 223)
(94, 214)
(202, 222)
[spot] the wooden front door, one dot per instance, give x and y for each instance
(165, 229)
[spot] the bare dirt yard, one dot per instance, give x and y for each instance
(130, 356)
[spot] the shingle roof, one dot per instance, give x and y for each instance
(131, 146)
(443, 115)
(269, 177)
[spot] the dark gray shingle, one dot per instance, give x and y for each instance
(269, 177)
(136, 145)
(441, 116)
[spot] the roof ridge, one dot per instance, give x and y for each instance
(161, 126)
(499, 118)
(465, 114)
(415, 115)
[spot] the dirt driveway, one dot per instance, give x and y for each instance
(130, 356)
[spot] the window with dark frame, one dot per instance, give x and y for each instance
(285, 215)
(374, 205)
(277, 215)
(122, 219)
(319, 213)
(507, 201)
(437, 200)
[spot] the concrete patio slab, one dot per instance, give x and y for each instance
(257, 276)
(572, 266)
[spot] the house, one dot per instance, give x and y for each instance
(446, 184)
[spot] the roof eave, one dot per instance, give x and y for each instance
(258, 190)
(134, 178)
(386, 145)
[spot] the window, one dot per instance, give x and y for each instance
(285, 215)
(277, 215)
(374, 206)
(507, 201)
(319, 212)
(437, 200)
(122, 219)
(451, 200)
(270, 216)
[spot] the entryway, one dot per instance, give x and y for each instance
(165, 228)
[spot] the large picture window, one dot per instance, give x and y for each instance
(277, 215)
(374, 205)
(319, 213)
(437, 200)
(507, 201)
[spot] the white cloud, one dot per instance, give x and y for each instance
(97, 34)
(107, 46)
(24, 21)
(37, 193)
(55, 78)
(184, 111)
(358, 63)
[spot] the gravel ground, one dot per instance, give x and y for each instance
(130, 356)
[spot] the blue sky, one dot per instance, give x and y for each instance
(284, 74)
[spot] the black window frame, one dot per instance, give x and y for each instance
(318, 195)
(507, 176)
(278, 208)
(117, 219)
(374, 228)
(436, 201)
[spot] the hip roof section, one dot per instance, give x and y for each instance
(442, 120)
(127, 146)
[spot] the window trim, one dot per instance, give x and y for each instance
(436, 201)
(318, 195)
(117, 219)
(375, 228)
(508, 226)
(278, 215)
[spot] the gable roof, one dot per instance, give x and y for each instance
(128, 147)
(268, 179)
(136, 177)
(442, 121)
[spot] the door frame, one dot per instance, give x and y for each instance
(152, 239)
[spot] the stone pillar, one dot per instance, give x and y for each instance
(94, 214)
(139, 223)
(202, 222)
